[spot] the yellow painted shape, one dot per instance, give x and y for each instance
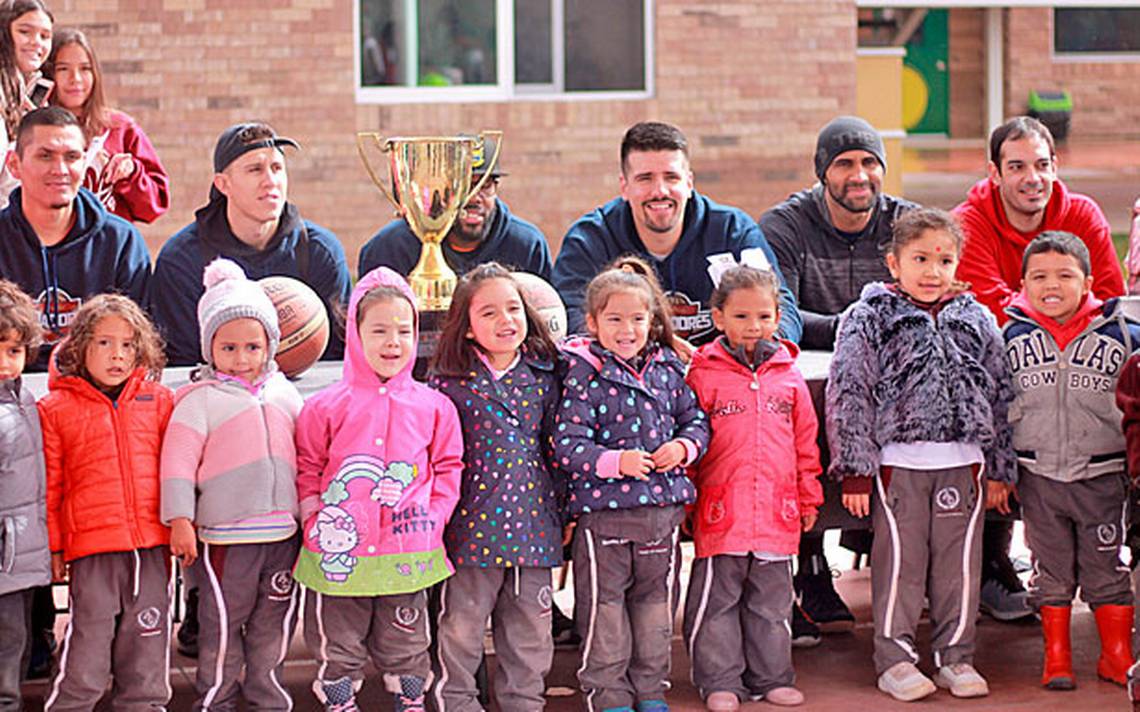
(916, 97)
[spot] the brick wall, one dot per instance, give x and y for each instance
(1104, 93)
(750, 83)
(967, 73)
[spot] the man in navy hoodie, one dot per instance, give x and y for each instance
(56, 240)
(485, 230)
(250, 221)
(684, 235)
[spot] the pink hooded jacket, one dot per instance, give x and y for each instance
(378, 471)
(761, 471)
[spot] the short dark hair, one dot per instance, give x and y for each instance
(653, 136)
(1017, 128)
(913, 224)
(1062, 243)
(48, 116)
(745, 277)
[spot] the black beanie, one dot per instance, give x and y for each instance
(846, 133)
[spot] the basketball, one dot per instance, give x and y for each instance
(544, 299)
(303, 321)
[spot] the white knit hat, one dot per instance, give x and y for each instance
(228, 296)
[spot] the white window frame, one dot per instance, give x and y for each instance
(505, 89)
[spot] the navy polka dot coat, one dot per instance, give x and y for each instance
(509, 511)
(606, 408)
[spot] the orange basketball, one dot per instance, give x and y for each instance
(303, 321)
(544, 299)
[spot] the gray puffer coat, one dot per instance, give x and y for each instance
(24, 557)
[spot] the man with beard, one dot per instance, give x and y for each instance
(831, 240)
(250, 221)
(485, 230)
(685, 236)
(1019, 199)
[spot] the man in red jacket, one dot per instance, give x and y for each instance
(1021, 198)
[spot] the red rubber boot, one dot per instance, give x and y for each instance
(1058, 671)
(1114, 623)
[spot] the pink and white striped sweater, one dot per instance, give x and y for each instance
(228, 455)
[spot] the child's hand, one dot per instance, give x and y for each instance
(808, 520)
(997, 496)
(635, 463)
(668, 456)
(858, 504)
(58, 569)
(568, 533)
(183, 541)
(683, 349)
(120, 167)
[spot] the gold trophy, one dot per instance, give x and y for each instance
(431, 178)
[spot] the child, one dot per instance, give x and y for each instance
(495, 360)
(757, 486)
(24, 538)
(627, 428)
(1065, 349)
(916, 409)
(229, 469)
(379, 459)
(103, 421)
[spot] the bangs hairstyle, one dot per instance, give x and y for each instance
(376, 295)
(69, 359)
(18, 313)
(913, 224)
(455, 353)
(633, 274)
(745, 277)
(11, 83)
(1062, 243)
(94, 117)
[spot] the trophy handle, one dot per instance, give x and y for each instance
(361, 136)
(498, 136)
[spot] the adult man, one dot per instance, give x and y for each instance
(1021, 198)
(830, 240)
(250, 221)
(685, 236)
(485, 230)
(59, 243)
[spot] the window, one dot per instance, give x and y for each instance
(1096, 31)
(464, 50)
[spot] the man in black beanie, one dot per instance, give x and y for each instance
(830, 240)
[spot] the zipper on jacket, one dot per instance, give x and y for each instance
(124, 474)
(268, 437)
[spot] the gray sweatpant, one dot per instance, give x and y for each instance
(738, 625)
(1076, 531)
(120, 629)
(625, 591)
(518, 601)
(247, 612)
(343, 632)
(928, 540)
(15, 622)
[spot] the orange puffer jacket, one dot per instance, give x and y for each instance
(102, 465)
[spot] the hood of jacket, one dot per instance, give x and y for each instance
(357, 372)
(986, 199)
(1063, 334)
(714, 355)
(90, 217)
(214, 230)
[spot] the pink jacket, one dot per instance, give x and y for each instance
(761, 470)
(378, 471)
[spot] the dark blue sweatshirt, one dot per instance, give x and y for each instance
(511, 241)
(709, 229)
(300, 249)
(101, 253)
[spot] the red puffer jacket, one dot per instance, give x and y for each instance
(102, 465)
(760, 474)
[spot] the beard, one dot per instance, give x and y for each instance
(840, 197)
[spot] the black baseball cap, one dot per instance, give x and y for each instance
(240, 139)
(480, 158)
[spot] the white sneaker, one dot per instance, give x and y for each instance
(962, 680)
(905, 682)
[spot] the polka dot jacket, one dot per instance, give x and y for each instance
(509, 511)
(606, 408)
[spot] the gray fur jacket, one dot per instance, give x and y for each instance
(901, 375)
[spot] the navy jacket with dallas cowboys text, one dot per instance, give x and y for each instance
(709, 229)
(101, 253)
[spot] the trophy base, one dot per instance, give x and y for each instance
(431, 323)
